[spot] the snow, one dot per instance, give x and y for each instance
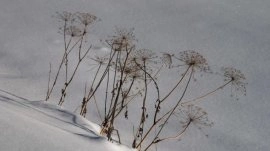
(37, 125)
(229, 33)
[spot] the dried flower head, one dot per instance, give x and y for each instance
(191, 114)
(167, 59)
(195, 60)
(132, 71)
(72, 31)
(86, 18)
(64, 16)
(142, 56)
(100, 60)
(97, 61)
(236, 79)
(122, 40)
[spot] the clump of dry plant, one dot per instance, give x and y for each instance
(74, 27)
(128, 79)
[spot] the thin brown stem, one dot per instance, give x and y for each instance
(171, 113)
(49, 81)
(198, 99)
(182, 77)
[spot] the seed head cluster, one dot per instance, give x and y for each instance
(191, 114)
(122, 40)
(194, 59)
(86, 18)
(237, 79)
(64, 16)
(142, 56)
(167, 59)
(73, 31)
(75, 24)
(100, 60)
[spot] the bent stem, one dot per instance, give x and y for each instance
(198, 99)
(172, 111)
(176, 136)
(80, 59)
(176, 84)
(90, 94)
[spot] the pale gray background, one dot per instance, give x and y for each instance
(229, 32)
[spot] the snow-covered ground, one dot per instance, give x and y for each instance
(227, 32)
(39, 126)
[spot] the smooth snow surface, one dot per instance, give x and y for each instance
(37, 125)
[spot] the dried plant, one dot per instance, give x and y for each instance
(69, 28)
(191, 114)
(127, 74)
(64, 16)
(187, 116)
(86, 18)
(73, 31)
(194, 59)
(122, 40)
(167, 59)
(236, 79)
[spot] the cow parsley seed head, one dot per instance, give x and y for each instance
(64, 16)
(86, 18)
(193, 59)
(191, 114)
(167, 59)
(122, 40)
(132, 71)
(74, 31)
(100, 60)
(144, 56)
(237, 80)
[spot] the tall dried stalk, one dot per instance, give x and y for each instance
(129, 74)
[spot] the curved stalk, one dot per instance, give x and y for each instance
(198, 99)
(171, 113)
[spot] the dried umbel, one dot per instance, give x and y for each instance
(132, 71)
(167, 59)
(191, 114)
(123, 39)
(75, 24)
(100, 60)
(73, 31)
(86, 18)
(195, 60)
(144, 56)
(236, 79)
(64, 16)
(145, 59)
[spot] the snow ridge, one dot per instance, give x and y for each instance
(37, 125)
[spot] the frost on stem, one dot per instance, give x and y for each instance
(237, 79)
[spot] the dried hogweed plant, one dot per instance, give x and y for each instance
(236, 79)
(74, 28)
(128, 79)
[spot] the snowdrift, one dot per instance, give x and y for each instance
(37, 125)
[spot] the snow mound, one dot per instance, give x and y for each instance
(37, 125)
